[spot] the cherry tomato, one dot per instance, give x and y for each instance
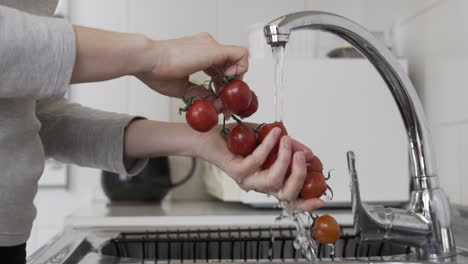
(314, 185)
(274, 152)
(268, 127)
(270, 160)
(202, 115)
(326, 230)
(236, 96)
(251, 109)
(315, 165)
(241, 140)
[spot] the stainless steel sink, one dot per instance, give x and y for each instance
(214, 245)
(246, 244)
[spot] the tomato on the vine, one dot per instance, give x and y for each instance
(326, 230)
(252, 108)
(268, 127)
(314, 185)
(202, 115)
(315, 165)
(236, 96)
(270, 160)
(241, 140)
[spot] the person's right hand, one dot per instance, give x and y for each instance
(248, 172)
(169, 63)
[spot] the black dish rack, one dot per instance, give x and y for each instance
(236, 244)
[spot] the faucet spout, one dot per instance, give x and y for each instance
(425, 223)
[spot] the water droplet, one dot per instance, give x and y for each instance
(332, 250)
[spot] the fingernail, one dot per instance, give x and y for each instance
(231, 71)
(301, 157)
(276, 131)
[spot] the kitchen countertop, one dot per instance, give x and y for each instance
(183, 213)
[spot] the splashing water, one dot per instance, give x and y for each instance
(301, 219)
(303, 223)
(332, 250)
(272, 242)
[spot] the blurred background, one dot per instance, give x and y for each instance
(334, 101)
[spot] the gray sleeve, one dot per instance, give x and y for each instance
(87, 137)
(37, 55)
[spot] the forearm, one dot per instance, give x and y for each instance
(84, 136)
(103, 55)
(146, 138)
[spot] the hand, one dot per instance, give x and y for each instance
(169, 63)
(248, 173)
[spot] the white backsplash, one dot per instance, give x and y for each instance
(435, 40)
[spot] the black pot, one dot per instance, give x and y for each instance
(150, 185)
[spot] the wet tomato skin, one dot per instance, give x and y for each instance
(236, 96)
(315, 165)
(268, 127)
(241, 140)
(270, 160)
(252, 108)
(314, 185)
(326, 230)
(202, 115)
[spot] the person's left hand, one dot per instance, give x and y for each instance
(171, 62)
(248, 172)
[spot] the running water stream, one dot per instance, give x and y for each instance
(301, 219)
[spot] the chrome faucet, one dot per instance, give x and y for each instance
(425, 222)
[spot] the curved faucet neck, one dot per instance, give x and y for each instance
(277, 33)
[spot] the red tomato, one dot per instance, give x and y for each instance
(274, 152)
(252, 108)
(270, 160)
(236, 96)
(268, 127)
(315, 165)
(202, 115)
(241, 140)
(326, 230)
(314, 185)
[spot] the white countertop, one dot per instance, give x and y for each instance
(182, 213)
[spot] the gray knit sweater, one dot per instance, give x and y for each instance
(36, 61)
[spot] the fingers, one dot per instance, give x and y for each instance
(293, 184)
(313, 162)
(298, 146)
(308, 205)
(258, 157)
(271, 180)
(277, 172)
(195, 92)
(236, 60)
(232, 61)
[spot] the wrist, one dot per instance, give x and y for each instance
(141, 53)
(147, 138)
(210, 146)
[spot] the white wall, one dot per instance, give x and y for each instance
(229, 22)
(435, 41)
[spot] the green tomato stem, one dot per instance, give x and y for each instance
(237, 119)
